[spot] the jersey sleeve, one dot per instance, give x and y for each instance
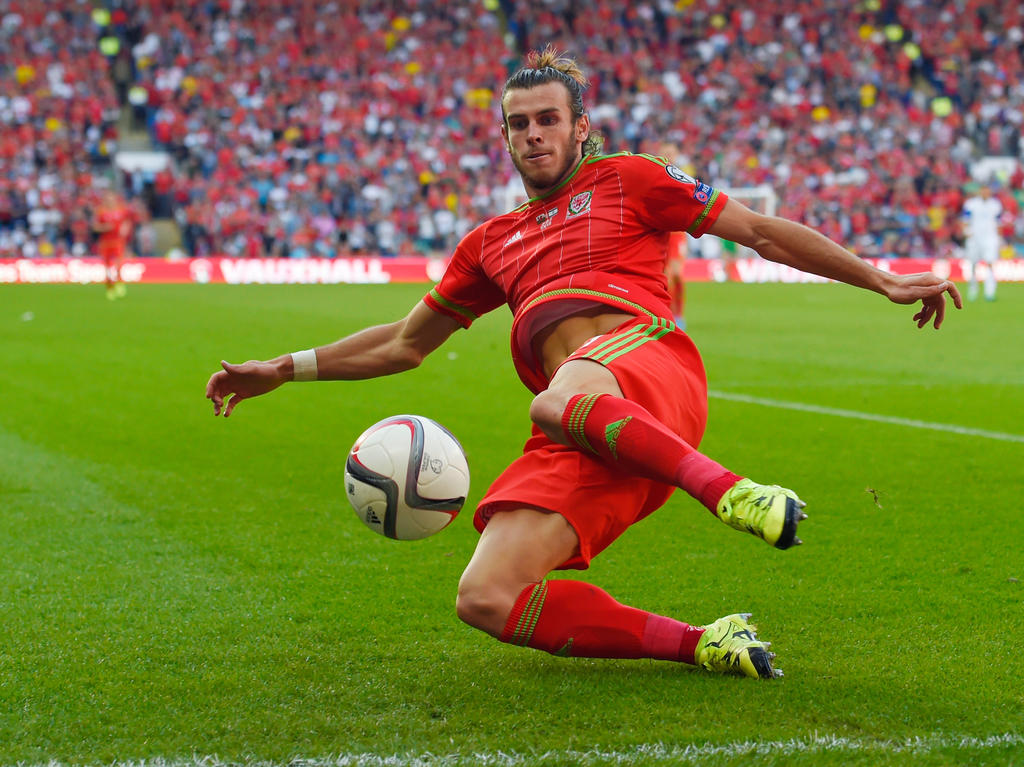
(465, 292)
(670, 200)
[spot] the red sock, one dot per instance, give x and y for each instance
(625, 434)
(573, 618)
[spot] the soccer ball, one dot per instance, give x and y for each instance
(406, 477)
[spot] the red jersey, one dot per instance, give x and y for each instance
(119, 219)
(677, 247)
(599, 238)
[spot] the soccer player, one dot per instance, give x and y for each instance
(112, 221)
(675, 277)
(621, 398)
(981, 224)
(675, 258)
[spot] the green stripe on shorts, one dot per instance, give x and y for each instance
(626, 342)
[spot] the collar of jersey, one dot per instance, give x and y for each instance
(564, 181)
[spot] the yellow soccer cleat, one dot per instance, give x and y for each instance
(768, 511)
(730, 646)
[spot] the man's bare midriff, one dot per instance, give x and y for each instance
(560, 339)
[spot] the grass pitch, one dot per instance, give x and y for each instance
(183, 589)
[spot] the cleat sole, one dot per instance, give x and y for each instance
(793, 517)
(762, 662)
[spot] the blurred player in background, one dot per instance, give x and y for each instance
(678, 247)
(620, 393)
(112, 223)
(981, 239)
(675, 276)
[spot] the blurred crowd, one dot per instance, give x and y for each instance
(307, 129)
(864, 117)
(300, 128)
(57, 109)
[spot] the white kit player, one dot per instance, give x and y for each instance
(981, 223)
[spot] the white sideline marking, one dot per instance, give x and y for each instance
(890, 419)
(648, 753)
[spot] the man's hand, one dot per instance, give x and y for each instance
(928, 289)
(237, 382)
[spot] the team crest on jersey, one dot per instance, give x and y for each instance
(546, 218)
(579, 204)
(679, 176)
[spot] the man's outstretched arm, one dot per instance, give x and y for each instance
(376, 351)
(793, 244)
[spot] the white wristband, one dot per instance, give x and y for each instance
(305, 365)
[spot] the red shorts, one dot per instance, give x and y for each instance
(111, 250)
(666, 376)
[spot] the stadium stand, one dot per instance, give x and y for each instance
(865, 117)
(58, 109)
(304, 129)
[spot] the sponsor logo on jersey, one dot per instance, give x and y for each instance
(679, 176)
(546, 218)
(579, 204)
(702, 193)
(514, 238)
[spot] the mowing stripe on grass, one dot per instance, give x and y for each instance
(645, 753)
(890, 419)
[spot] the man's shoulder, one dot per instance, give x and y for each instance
(500, 220)
(640, 170)
(640, 159)
(485, 232)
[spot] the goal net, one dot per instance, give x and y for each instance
(761, 199)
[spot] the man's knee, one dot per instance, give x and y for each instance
(546, 411)
(484, 605)
(580, 376)
(518, 548)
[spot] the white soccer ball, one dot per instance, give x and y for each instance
(406, 477)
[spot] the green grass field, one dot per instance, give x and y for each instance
(179, 589)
